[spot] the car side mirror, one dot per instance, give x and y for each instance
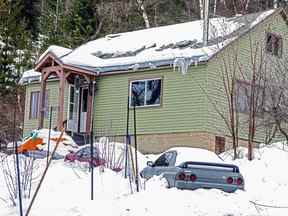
(150, 163)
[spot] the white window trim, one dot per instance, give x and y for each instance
(144, 80)
(69, 102)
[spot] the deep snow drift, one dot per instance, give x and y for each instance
(66, 191)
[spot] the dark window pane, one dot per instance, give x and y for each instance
(72, 94)
(138, 93)
(71, 109)
(85, 100)
(274, 44)
(153, 92)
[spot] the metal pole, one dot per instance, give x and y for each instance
(136, 148)
(49, 134)
(91, 164)
(17, 163)
(127, 139)
(92, 141)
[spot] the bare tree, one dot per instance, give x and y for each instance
(201, 9)
(276, 95)
(254, 73)
(28, 176)
(244, 80)
(142, 8)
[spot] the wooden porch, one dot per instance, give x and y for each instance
(51, 66)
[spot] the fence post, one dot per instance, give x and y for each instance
(17, 162)
(49, 133)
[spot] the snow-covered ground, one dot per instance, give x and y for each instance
(66, 191)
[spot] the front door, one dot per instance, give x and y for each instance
(77, 110)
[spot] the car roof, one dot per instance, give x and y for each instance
(194, 154)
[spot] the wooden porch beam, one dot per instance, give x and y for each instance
(61, 99)
(48, 57)
(41, 109)
(79, 70)
(52, 69)
(67, 74)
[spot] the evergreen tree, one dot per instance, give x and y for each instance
(81, 21)
(31, 13)
(52, 29)
(14, 47)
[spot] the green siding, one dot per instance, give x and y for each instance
(186, 99)
(53, 91)
(181, 109)
(216, 124)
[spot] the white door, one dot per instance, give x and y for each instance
(73, 109)
(83, 109)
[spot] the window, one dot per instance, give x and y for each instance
(145, 92)
(34, 105)
(243, 91)
(274, 44)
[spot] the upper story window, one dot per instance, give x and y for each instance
(243, 96)
(274, 44)
(34, 105)
(145, 92)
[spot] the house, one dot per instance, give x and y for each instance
(172, 73)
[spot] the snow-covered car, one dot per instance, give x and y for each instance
(192, 168)
(84, 155)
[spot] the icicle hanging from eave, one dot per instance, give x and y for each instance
(182, 64)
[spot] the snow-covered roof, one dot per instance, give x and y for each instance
(58, 51)
(178, 45)
(30, 76)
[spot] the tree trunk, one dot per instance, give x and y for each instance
(144, 13)
(201, 9)
(275, 3)
(215, 8)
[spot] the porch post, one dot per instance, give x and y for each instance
(41, 108)
(61, 99)
(90, 105)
